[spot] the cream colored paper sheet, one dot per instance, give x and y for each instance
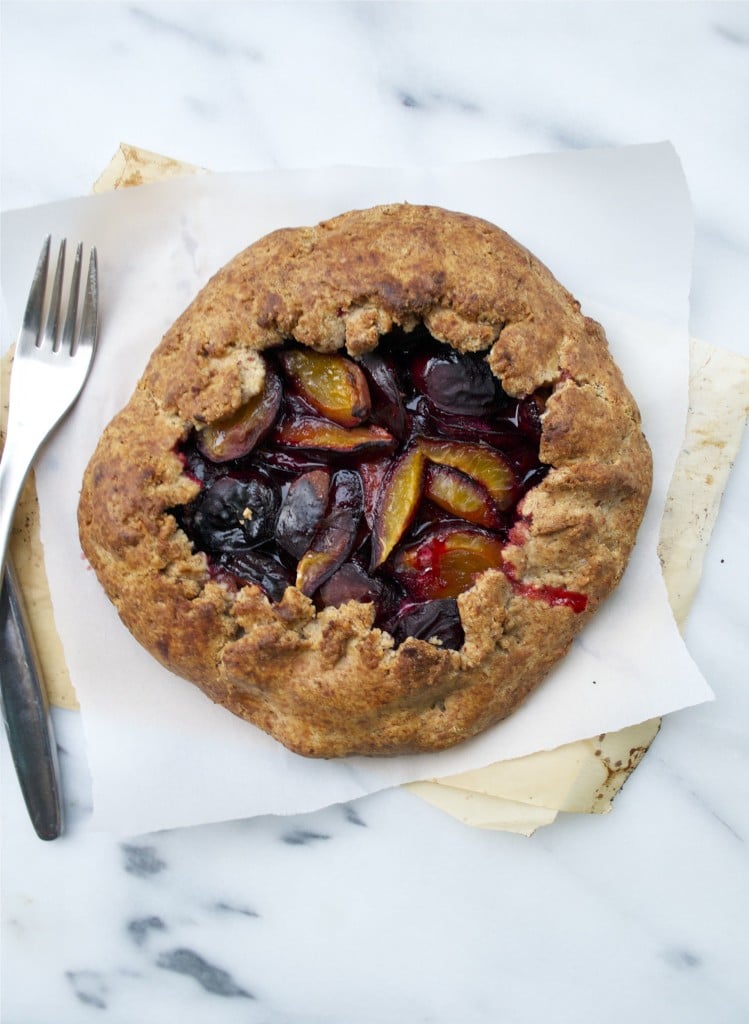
(516, 793)
(584, 777)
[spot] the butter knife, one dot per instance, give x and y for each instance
(26, 713)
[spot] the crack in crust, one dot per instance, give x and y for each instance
(327, 684)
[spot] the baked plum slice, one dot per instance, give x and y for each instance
(233, 513)
(388, 409)
(500, 431)
(455, 383)
(485, 465)
(399, 498)
(373, 473)
(437, 621)
(352, 582)
(236, 435)
(445, 561)
(332, 384)
(459, 494)
(391, 479)
(315, 434)
(335, 535)
(302, 511)
(250, 565)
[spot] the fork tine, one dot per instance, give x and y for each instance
(68, 330)
(52, 328)
(89, 316)
(32, 317)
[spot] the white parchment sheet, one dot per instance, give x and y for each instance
(613, 225)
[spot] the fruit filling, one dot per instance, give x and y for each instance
(392, 478)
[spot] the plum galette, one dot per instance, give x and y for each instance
(371, 484)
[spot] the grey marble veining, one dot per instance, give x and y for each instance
(384, 909)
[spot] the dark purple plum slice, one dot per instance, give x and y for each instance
(454, 383)
(351, 582)
(302, 511)
(336, 535)
(429, 620)
(249, 565)
(232, 513)
(499, 431)
(388, 410)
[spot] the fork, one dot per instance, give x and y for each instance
(49, 370)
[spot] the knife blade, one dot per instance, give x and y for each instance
(26, 714)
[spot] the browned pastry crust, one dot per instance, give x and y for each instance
(327, 684)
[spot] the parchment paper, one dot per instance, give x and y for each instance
(615, 227)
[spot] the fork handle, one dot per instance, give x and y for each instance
(18, 455)
(26, 713)
(25, 708)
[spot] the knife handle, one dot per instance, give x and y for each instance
(26, 712)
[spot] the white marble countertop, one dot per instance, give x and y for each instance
(385, 909)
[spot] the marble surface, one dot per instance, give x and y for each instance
(384, 909)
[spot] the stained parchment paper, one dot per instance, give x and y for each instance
(613, 225)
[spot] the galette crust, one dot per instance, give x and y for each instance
(327, 684)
